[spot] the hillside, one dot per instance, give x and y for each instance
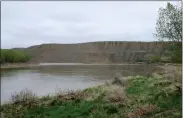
(95, 52)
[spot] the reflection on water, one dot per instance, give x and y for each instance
(45, 79)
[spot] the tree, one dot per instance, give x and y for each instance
(169, 28)
(169, 23)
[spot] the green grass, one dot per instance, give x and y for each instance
(13, 56)
(143, 97)
(74, 109)
(156, 91)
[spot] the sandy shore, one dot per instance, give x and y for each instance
(24, 65)
(18, 65)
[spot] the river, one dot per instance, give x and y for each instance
(49, 78)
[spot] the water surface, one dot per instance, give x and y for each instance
(48, 78)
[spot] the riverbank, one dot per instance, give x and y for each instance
(18, 65)
(24, 65)
(140, 96)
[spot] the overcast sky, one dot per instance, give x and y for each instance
(25, 23)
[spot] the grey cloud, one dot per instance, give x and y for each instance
(69, 17)
(32, 23)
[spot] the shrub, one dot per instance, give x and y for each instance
(154, 59)
(116, 94)
(139, 60)
(176, 52)
(120, 80)
(25, 96)
(165, 59)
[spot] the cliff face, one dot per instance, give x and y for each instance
(95, 52)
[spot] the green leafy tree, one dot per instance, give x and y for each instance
(169, 28)
(12, 56)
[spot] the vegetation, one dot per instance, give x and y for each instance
(159, 59)
(176, 52)
(142, 97)
(169, 27)
(13, 56)
(156, 96)
(155, 59)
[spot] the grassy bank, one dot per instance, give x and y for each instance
(140, 97)
(13, 56)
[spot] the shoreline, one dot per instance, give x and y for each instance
(29, 65)
(18, 65)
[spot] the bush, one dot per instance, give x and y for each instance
(11, 56)
(116, 94)
(176, 55)
(24, 96)
(165, 59)
(139, 60)
(154, 59)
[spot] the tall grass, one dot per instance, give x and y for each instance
(12, 56)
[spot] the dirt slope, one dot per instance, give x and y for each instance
(95, 52)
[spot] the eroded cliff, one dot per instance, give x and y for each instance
(95, 52)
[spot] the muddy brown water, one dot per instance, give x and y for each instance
(49, 78)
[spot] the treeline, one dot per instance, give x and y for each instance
(13, 56)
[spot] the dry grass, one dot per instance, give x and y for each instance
(23, 96)
(120, 80)
(112, 93)
(156, 75)
(116, 94)
(173, 74)
(161, 114)
(71, 95)
(176, 77)
(107, 83)
(142, 110)
(26, 97)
